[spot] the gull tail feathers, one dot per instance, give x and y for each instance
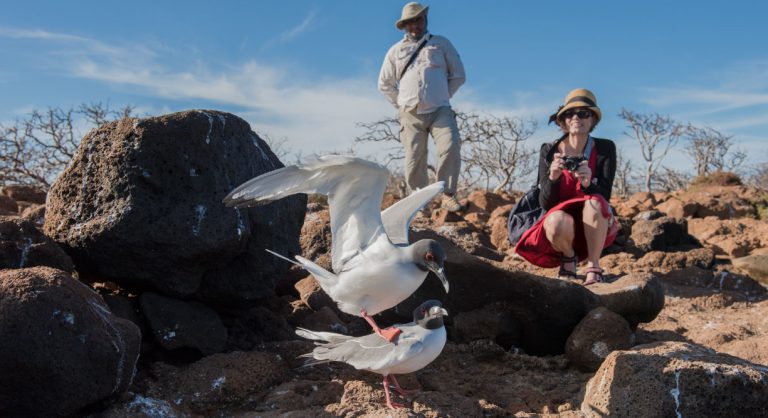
(325, 278)
(320, 354)
(329, 337)
(282, 257)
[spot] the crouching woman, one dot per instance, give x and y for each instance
(576, 175)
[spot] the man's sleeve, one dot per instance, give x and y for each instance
(455, 68)
(388, 78)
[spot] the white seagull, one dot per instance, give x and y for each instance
(375, 267)
(420, 342)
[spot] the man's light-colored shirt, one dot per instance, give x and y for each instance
(429, 82)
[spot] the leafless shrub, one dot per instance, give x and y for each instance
(493, 150)
(656, 135)
(711, 151)
(759, 178)
(623, 180)
(671, 180)
(33, 151)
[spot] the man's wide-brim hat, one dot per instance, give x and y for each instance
(578, 98)
(410, 11)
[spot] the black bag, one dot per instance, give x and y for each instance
(525, 213)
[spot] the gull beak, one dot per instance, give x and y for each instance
(439, 271)
(437, 311)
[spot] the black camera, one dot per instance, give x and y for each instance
(571, 162)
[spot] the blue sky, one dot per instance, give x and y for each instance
(307, 70)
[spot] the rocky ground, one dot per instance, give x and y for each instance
(707, 303)
(138, 318)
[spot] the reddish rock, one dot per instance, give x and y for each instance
(502, 211)
(61, 347)
(441, 216)
(676, 379)
(635, 204)
(23, 245)
(500, 234)
(183, 324)
(324, 319)
(754, 265)
(8, 206)
(478, 219)
(661, 261)
(140, 204)
(315, 239)
(217, 381)
(25, 193)
(676, 208)
(734, 238)
(34, 214)
(484, 201)
(597, 335)
(638, 297)
(312, 294)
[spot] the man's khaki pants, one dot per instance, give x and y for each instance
(414, 130)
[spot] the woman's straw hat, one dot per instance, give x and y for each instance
(578, 98)
(410, 11)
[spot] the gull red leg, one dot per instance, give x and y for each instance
(399, 389)
(388, 334)
(392, 405)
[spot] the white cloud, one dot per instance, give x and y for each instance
(297, 30)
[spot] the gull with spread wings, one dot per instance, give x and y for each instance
(374, 266)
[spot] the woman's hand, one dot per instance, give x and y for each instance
(556, 168)
(584, 174)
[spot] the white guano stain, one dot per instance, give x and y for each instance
(600, 349)
(25, 251)
(210, 127)
(255, 141)
(151, 407)
(216, 385)
(117, 340)
(723, 275)
(676, 394)
(240, 224)
(200, 215)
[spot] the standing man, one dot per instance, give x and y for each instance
(419, 76)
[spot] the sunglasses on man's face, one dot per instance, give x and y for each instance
(581, 113)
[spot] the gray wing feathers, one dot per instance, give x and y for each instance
(369, 352)
(354, 188)
(397, 218)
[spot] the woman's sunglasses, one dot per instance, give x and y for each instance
(581, 113)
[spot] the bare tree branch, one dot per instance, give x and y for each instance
(33, 151)
(656, 135)
(493, 149)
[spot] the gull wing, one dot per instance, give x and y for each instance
(354, 188)
(397, 218)
(369, 352)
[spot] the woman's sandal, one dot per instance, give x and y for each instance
(597, 276)
(565, 274)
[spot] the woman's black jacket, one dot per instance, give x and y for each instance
(602, 181)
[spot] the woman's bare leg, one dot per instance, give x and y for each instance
(595, 230)
(558, 227)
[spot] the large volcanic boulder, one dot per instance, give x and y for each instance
(23, 245)
(676, 379)
(140, 205)
(61, 348)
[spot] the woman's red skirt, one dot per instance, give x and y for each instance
(536, 248)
